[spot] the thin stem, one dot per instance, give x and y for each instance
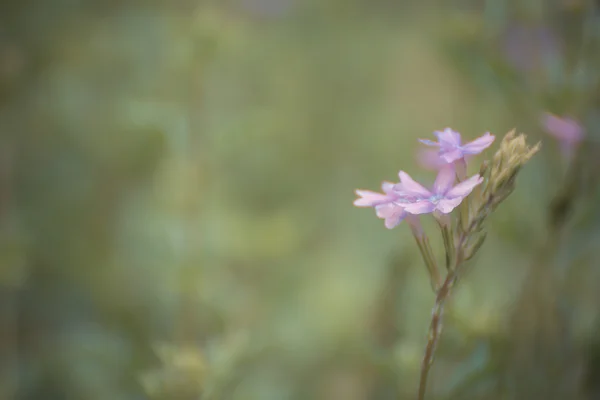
(443, 294)
(435, 330)
(464, 212)
(429, 259)
(448, 237)
(464, 207)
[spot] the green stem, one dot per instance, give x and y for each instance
(448, 236)
(464, 208)
(442, 296)
(429, 259)
(435, 330)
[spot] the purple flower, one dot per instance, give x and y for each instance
(566, 130)
(444, 197)
(451, 149)
(388, 205)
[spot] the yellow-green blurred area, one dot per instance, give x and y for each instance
(176, 189)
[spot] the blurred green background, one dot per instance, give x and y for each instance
(176, 188)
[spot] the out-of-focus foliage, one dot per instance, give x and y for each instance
(176, 187)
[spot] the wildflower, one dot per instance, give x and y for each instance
(444, 197)
(566, 130)
(451, 149)
(388, 205)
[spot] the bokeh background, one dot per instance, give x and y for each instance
(176, 188)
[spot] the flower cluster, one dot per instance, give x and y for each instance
(409, 198)
(463, 237)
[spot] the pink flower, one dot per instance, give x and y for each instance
(566, 130)
(444, 197)
(388, 205)
(451, 149)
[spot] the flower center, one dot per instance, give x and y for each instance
(436, 198)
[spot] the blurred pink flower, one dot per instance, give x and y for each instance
(444, 196)
(451, 149)
(564, 129)
(567, 131)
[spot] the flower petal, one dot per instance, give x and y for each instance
(465, 187)
(445, 206)
(448, 137)
(370, 199)
(444, 180)
(387, 187)
(394, 221)
(411, 187)
(429, 142)
(565, 129)
(451, 155)
(392, 213)
(402, 195)
(479, 144)
(430, 159)
(385, 210)
(419, 207)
